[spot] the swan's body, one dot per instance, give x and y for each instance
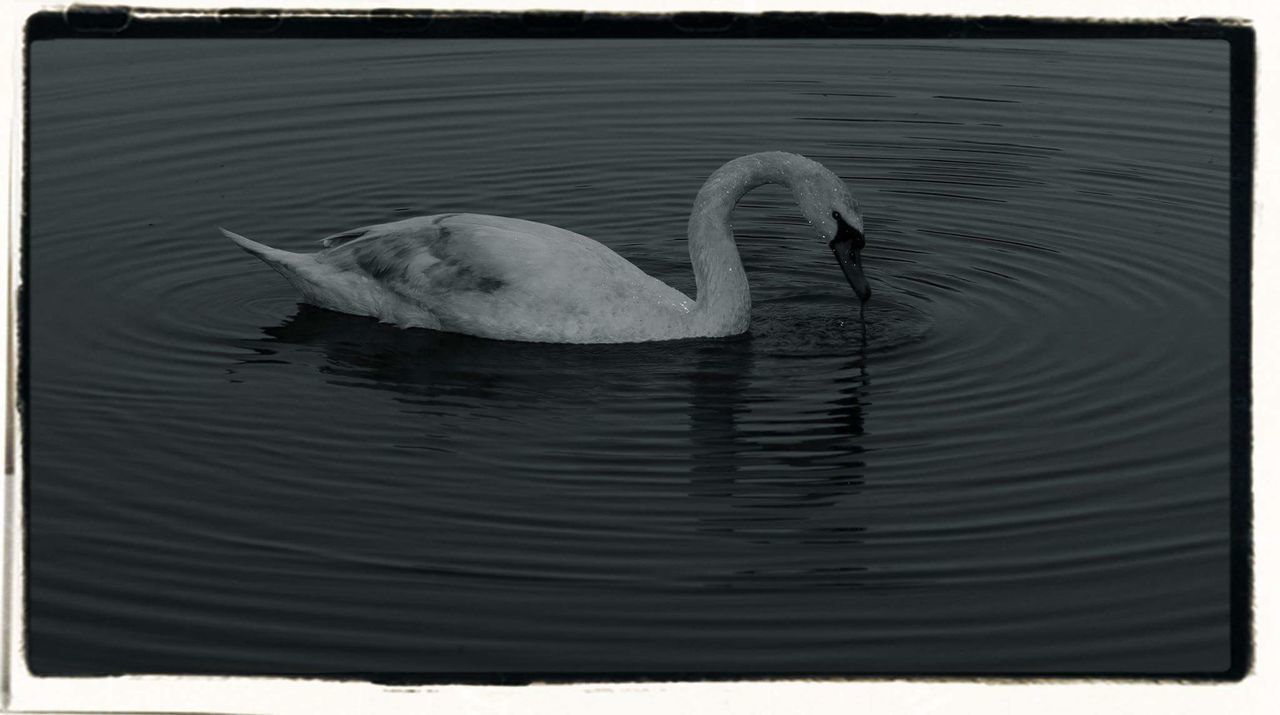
(489, 276)
(510, 279)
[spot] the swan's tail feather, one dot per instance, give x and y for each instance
(261, 250)
(298, 268)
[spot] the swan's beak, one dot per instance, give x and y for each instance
(847, 247)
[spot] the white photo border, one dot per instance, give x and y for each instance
(20, 691)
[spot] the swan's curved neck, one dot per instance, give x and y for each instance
(723, 303)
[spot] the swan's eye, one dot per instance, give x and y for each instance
(846, 232)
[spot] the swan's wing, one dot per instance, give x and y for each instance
(531, 258)
(465, 253)
(489, 275)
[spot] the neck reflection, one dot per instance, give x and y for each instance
(773, 460)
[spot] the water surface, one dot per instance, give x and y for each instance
(1020, 466)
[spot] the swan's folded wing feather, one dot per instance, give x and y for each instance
(339, 239)
(393, 254)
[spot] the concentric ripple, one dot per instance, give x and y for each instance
(1013, 460)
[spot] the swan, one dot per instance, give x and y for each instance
(510, 279)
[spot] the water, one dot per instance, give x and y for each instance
(1019, 467)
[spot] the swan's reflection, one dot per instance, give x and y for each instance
(769, 450)
(419, 365)
(776, 475)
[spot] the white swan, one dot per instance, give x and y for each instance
(518, 280)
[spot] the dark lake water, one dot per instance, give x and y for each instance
(1020, 467)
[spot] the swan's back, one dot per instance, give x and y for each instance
(493, 277)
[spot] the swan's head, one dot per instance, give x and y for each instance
(827, 203)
